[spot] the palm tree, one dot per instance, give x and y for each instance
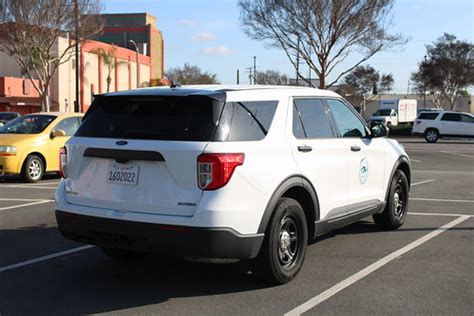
(110, 61)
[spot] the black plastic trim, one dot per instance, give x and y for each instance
(123, 155)
(325, 226)
(288, 183)
(402, 159)
(182, 241)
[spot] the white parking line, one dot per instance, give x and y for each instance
(415, 160)
(21, 200)
(375, 266)
(456, 154)
(44, 258)
(24, 205)
(438, 214)
(423, 182)
(441, 200)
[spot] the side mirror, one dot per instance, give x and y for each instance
(379, 130)
(57, 133)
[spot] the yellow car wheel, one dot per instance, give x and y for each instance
(33, 169)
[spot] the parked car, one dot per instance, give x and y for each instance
(227, 172)
(8, 116)
(434, 125)
(29, 145)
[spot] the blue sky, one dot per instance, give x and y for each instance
(207, 33)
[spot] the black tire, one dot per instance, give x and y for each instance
(389, 124)
(284, 247)
(431, 135)
(396, 209)
(33, 169)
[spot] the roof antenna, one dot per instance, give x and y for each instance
(174, 85)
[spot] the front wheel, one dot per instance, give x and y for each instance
(431, 135)
(33, 169)
(396, 209)
(284, 247)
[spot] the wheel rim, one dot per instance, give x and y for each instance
(34, 169)
(288, 247)
(431, 136)
(399, 200)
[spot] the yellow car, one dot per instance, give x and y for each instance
(29, 145)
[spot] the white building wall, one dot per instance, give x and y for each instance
(144, 74)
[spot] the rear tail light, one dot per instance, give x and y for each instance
(215, 170)
(63, 162)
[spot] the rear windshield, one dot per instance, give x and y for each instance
(427, 116)
(191, 118)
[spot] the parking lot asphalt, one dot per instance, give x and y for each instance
(426, 267)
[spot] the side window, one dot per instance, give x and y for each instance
(427, 116)
(311, 120)
(467, 118)
(452, 117)
(69, 125)
(348, 124)
(245, 121)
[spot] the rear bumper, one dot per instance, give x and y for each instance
(182, 241)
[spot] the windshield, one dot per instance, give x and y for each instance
(382, 113)
(29, 124)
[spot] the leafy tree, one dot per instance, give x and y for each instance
(29, 32)
(365, 81)
(272, 77)
(321, 32)
(386, 83)
(447, 70)
(190, 74)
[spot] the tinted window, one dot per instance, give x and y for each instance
(245, 121)
(453, 117)
(427, 116)
(348, 124)
(29, 124)
(7, 116)
(191, 118)
(467, 118)
(68, 125)
(311, 120)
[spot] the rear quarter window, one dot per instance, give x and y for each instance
(427, 116)
(245, 121)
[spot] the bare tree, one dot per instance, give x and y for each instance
(321, 32)
(30, 32)
(190, 74)
(270, 77)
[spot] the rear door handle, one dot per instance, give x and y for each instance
(305, 148)
(355, 148)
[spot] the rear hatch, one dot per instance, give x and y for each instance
(139, 154)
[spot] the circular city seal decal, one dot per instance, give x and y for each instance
(363, 171)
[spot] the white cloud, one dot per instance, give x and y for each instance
(204, 37)
(220, 51)
(187, 23)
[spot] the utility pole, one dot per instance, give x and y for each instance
(138, 65)
(424, 87)
(298, 60)
(76, 31)
(254, 70)
(249, 70)
(238, 76)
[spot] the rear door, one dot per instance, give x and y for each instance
(139, 154)
(319, 155)
(450, 124)
(467, 125)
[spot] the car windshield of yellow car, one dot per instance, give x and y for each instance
(29, 124)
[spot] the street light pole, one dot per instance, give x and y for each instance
(424, 88)
(138, 65)
(76, 31)
(254, 70)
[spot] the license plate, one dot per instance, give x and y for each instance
(127, 175)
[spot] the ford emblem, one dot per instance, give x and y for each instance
(121, 143)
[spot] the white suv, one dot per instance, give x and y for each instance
(227, 172)
(437, 124)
